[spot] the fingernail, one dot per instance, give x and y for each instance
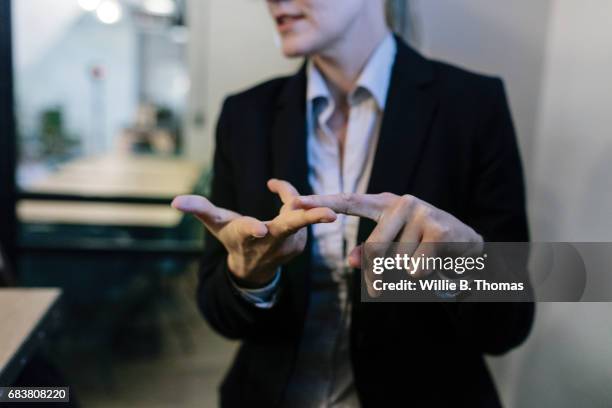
(260, 232)
(176, 203)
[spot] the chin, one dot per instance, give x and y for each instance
(297, 46)
(292, 52)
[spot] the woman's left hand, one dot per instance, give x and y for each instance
(401, 219)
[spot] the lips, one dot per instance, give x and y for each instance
(285, 22)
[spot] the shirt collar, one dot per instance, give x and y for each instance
(316, 88)
(375, 77)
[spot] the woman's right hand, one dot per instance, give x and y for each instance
(257, 248)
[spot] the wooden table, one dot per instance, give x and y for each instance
(113, 176)
(86, 213)
(24, 316)
(122, 175)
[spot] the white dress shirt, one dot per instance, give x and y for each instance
(329, 173)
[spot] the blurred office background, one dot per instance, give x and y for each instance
(115, 104)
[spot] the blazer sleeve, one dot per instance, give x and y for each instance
(497, 212)
(218, 299)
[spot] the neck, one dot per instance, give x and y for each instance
(342, 63)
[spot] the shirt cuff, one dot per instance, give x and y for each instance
(263, 298)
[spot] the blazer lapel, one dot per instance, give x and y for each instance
(408, 115)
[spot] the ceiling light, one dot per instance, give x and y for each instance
(109, 12)
(160, 7)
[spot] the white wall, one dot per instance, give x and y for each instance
(572, 194)
(50, 23)
(567, 362)
(232, 48)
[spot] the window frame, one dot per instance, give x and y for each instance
(8, 142)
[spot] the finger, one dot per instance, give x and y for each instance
(284, 189)
(291, 222)
(410, 237)
(411, 234)
(354, 258)
(362, 205)
(427, 250)
(247, 228)
(393, 221)
(213, 217)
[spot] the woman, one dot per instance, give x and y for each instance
(419, 151)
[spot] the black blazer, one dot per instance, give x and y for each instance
(447, 137)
